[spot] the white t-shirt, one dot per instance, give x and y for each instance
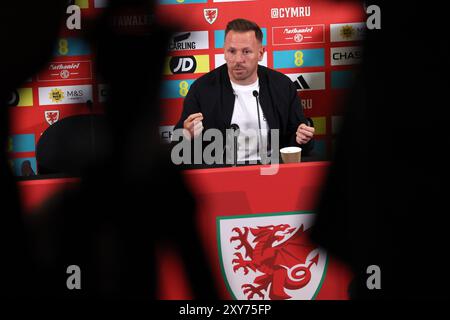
(245, 115)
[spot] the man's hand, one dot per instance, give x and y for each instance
(193, 125)
(304, 133)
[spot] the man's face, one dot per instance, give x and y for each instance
(242, 53)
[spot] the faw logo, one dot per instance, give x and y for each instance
(51, 116)
(210, 15)
(270, 257)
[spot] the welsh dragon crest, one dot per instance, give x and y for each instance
(274, 261)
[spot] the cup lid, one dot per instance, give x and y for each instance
(290, 149)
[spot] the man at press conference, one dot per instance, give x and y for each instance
(249, 98)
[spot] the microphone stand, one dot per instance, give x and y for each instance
(260, 142)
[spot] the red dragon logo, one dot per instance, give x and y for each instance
(210, 15)
(283, 265)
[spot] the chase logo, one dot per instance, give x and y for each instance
(186, 64)
(22, 97)
(173, 89)
(166, 133)
(299, 58)
(21, 143)
(181, 1)
(219, 38)
(342, 79)
(103, 92)
(68, 47)
(346, 56)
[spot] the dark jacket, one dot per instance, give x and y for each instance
(213, 96)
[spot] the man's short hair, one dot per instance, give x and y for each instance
(243, 25)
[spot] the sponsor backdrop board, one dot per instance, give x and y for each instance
(317, 44)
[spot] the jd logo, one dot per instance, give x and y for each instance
(270, 256)
(183, 64)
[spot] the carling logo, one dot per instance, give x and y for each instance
(298, 34)
(189, 40)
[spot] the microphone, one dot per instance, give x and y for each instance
(256, 94)
(234, 126)
(235, 129)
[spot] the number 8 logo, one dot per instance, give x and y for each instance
(298, 58)
(184, 86)
(63, 47)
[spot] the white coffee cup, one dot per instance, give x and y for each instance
(291, 154)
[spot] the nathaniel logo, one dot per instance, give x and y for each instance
(298, 34)
(73, 70)
(210, 15)
(51, 116)
(56, 95)
(271, 257)
(187, 64)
